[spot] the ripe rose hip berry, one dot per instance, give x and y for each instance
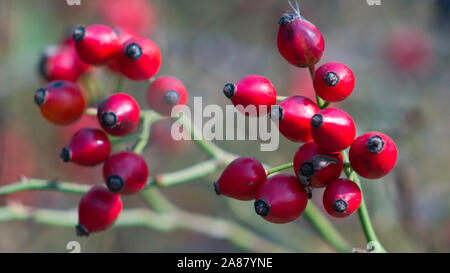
(294, 114)
(299, 41)
(166, 92)
(341, 198)
(125, 172)
(118, 114)
(333, 130)
(251, 90)
(139, 59)
(61, 63)
(281, 199)
(97, 210)
(87, 147)
(124, 35)
(96, 44)
(315, 168)
(60, 102)
(373, 155)
(241, 179)
(334, 82)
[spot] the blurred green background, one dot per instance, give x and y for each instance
(398, 51)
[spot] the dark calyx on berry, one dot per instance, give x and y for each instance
(316, 120)
(133, 51)
(276, 114)
(39, 96)
(286, 18)
(261, 207)
(307, 169)
(171, 97)
(65, 154)
(340, 206)
(114, 183)
(78, 33)
(81, 230)
(109, 119)
(375, 144)
(331, 79)
(216, 188)
(228, 90)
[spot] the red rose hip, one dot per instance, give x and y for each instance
(60, 102)
(97, 210)
(373, 155)
(87, 147)
(334, 82)
(96, 44)
(139, 59)
(315, 168)
(252, 90)
(165, 93)
(341, 198)
(119, 114)
(333, 130)
(294, 114)
(125, 172)
(299, 41)
(241, 179)
(281, 199)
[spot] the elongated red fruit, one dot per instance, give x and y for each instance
(118, 114)
(341, 198)
(87, 147)
(314, 167)
(281, 199)
(373, 155)
(165, 93)
(98, 210)
(60, 102)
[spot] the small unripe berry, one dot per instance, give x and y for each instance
(281, 199)
(87, 147)
(294, 114)
(315, 168)
(125, 172)
(341, 198)
(60, 102)
(118, 114)
(334, 82)
(96, 44)
(373, 155)
(98, 210)
(166, 92)
(333, 130)
(241, 179)
(252, 90)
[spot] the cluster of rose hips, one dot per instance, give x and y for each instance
(325, 132)
(62, 102)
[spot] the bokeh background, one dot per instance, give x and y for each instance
(399, 52)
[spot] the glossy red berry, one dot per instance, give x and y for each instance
(299, 41)
(373, 155)
(294, 114)
(341, 198)
(252, 90)
(60, 102)
(87, 147)
(139, 59)
(315, 168)
(281, 199)
(97, 210)
(61, 63)
(165, 93)
(333, 130)
(241, 179)
(118, 114)
(334, 82)
(124, 35)
(125, 172)
(96, 44)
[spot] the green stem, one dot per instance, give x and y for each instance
(280, 98)
(148, 117)
(41, 184)
(363, 212)
(279, 168)
(320, 102)
(120, 83)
